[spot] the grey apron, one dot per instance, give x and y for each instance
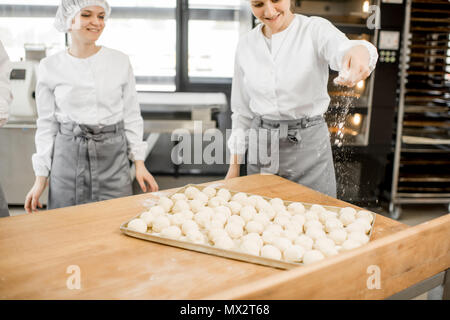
(299, 150)
(89, 164)
(4, 212)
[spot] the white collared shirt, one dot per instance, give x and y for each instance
(289, 80)
(99, 90)
(5, 86)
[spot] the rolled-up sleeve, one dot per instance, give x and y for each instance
(241, 117)
(333, 45)
(134, 124)
(5, 88)
(47, 125)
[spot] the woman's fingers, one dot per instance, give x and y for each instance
(141, 182)
(27, 203)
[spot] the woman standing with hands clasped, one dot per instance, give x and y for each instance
(89, 123)
(280, 84)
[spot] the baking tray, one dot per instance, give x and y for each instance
(231, 254)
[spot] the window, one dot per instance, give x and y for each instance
(148, 31)
(214, 29)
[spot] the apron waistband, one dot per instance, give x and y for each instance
(288, 128)
(87, 145)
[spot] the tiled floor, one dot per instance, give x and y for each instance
(411, 214)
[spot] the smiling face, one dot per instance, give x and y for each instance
(275, 14)
(88, 24)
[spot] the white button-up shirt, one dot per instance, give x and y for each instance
(5, 88)
(99, 90)
(289, 79)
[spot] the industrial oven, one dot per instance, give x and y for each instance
(361, 119)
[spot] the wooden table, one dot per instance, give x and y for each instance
(37, 250)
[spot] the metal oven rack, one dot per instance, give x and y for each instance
(421, 170)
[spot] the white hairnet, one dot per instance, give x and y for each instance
(68, 9)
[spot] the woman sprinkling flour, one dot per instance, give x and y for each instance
(280, 84)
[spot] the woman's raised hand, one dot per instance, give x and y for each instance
(355, 67)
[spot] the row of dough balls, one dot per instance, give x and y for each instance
(253, 225)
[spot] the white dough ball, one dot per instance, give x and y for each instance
(188, 225)
(304, 241)
(177, 219)
(348, 210)
(298, 219)
(254, 237)
(215, 233)
(178, 196)
(203, 218)
(328, 251)
(282, 243)
(239, 197)
(290, 234)
(359, 237)
(311, 215)
(247, 213)
(270, 212)
(270, 252)
(160, 223)
(350, 244)
(157, 210)
(315, 233)
(295, 228)
(196, 205)
(187, 214)
(137, 225)
(269, 237)
(148, 218)
(234, 206)
(347, 217)
(317, 208)
(224, 210)
(251, 200)
(262, 218)
(191, 192)
(224, 194)
(181, 205)
(202, 198)
(216, 202)
(166, 203)
(235, 219)
(364, 214)
(262, 204)
(210, 192)
(312, 256)
(250, 247)
(296, 208)
(278, 207)
(234, 230)
(294, 253)
(195, 236)
(325, 215)
(224, 242)
(355, 227)
(338, 236)
(221, 216)
(172, 232)
(277, 201)
(216, 223)
(254, 226)
(333, 224)
(323, 242)
(313, 224)
(364, 223)
(275, 228)
(282, 220)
